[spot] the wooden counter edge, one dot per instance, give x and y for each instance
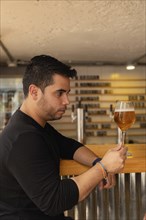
(136, 164)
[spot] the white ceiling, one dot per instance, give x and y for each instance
(74, 30)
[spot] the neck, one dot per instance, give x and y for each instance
(30, 111)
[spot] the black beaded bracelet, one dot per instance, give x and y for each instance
(96, 161)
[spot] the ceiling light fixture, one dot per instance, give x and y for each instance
(130, 67)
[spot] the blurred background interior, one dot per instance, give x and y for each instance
(99, 38)
(105, 41)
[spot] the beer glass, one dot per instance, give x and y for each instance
(124, 116)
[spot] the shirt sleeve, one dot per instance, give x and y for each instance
(36, 171)
(67, 146)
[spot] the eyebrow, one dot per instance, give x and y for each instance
(63, 90)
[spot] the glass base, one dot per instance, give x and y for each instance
(129, 155)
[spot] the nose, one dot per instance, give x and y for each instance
(66, 100)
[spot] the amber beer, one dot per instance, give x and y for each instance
(124, 118)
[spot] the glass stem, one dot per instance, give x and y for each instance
(123, 137)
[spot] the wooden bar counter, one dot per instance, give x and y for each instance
(135, 164)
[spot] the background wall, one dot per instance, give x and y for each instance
(97, 88)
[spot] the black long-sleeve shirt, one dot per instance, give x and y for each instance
(30, 185)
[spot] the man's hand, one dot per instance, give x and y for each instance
(114, 159)
(111, 182)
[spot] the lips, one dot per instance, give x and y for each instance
(62, 110)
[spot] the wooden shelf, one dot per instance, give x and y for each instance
(109, 129)
(106, 87)
(110, 90)
(106, 80)
(101, 101)
(108, 94)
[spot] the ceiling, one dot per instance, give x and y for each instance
(74, 31)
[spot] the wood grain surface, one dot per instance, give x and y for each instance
(135, 164)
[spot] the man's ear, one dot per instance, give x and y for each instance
(33, 90)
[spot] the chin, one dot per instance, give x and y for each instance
(56, 118)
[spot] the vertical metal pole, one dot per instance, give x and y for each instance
(133, 210)
(138, 195)
(112, 204)
(122, 205)
(80, 125)
(143, 194)
(127, 195)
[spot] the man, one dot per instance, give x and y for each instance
(31, 149)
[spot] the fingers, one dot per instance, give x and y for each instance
(123, 153)
(119, 146)
(101, 185)
(144, 218)
(114, 159)
(111, 181)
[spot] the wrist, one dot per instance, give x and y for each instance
(103, 167)
(97, 160)
(102, 171)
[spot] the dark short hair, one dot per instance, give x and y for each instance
(41, 69)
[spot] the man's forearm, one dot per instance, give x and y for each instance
(111, 163)
(87, 181)
(84, 156)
